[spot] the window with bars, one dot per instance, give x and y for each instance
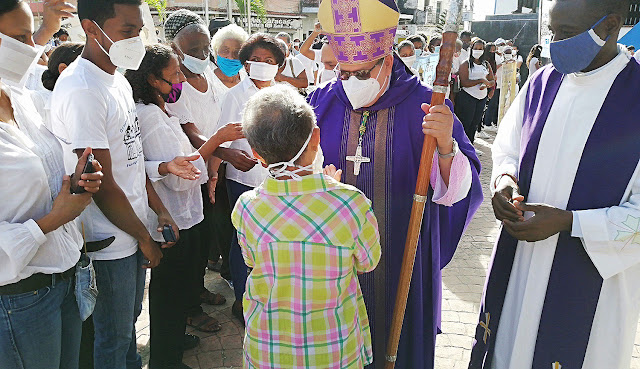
(634, 14)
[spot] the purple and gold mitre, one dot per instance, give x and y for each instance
(359, 31)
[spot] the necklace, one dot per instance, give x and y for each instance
(358, 159)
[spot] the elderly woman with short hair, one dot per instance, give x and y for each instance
(226, 44)
(305, 264)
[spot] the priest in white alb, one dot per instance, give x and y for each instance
(563, 289)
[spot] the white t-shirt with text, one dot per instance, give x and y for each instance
(92, 108)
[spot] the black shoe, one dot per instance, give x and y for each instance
(190, 342)
(236, 311)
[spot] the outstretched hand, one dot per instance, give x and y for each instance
(182, 167)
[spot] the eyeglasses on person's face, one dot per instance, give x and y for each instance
(362, 74)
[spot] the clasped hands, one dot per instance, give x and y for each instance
(509, 207)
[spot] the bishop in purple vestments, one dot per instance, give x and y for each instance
(378, 146)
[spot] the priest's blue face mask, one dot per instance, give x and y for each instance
(574, 54)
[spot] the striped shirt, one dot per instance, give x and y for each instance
(306, 241)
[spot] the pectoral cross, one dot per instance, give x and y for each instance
(358, 159)
(485, 325)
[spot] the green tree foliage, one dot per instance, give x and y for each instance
(161, 7)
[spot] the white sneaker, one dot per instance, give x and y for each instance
(479, 153)
(483, 134)
(492, 128)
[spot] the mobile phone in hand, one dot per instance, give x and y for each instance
(88, 168)
(168, 234)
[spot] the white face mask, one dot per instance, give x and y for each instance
(277, 170)
(16, 59)
(195, 65)
(408, 60)
(327, 75)
(501, 49)
(477, 53)
(508, 57)
(262, 71)
(362, 92)
(127, 53)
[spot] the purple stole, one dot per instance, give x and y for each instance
(608, 162)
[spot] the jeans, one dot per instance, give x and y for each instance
(119, 303)
(169, 295)
(40, 329)
(238, 268)
(469, 110)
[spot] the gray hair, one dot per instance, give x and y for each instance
(230, 32)
(405, 43)
(284, 35)
(277, 121)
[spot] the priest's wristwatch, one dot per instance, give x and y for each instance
(453, 152)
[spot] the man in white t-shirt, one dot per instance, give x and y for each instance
(293, 71)
(310, 56)
(93, 106)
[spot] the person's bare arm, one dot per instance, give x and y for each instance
(464, 77)
(54, 11)
(305, 48)
(114, 204)
(196, 137)
(164, 218)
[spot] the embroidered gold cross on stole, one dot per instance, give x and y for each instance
(358, 159)
(556, 365)
(485, 325)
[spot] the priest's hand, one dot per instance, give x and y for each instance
(438, 123)
(545, 222)
(507, 191)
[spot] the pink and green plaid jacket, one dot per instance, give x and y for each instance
(306, 241)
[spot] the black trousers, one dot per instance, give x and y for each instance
(491, 115)
(170, 292)
(469, 110)
(219, 219)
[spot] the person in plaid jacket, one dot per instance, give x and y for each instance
(307, 237)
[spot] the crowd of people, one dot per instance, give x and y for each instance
(288, 167)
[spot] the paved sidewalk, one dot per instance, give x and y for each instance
(463, 281)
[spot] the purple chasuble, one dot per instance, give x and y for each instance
(574, 282)
(393, 142)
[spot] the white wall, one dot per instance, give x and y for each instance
(505, 6)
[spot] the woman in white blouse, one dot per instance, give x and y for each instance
(40, 241)
(162, 140)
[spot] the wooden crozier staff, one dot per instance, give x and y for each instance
(440, 87)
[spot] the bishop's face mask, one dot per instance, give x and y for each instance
(362, 92)
(574, 54)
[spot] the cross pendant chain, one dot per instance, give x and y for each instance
(358, 159)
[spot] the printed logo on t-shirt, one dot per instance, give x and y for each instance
(132, 139)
